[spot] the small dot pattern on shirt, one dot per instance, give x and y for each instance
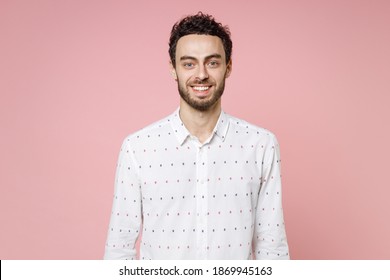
(216, 200)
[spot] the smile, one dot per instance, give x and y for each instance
(201, 88)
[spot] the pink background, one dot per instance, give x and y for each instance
(76, 77)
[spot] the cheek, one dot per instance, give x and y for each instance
(185, 78)
(218, 75)
(219, 78)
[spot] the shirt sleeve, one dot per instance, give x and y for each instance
(126, 217)
(270, 240)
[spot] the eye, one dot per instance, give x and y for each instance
(188, 65)
(213, 64)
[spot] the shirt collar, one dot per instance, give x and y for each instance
(182, 133)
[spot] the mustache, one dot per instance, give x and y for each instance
(201, 82)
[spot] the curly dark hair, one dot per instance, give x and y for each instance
(201, 24)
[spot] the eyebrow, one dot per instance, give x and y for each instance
(215, 55)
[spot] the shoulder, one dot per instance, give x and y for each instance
(250, 128)
(150, 130)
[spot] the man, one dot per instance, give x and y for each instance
(199, 184)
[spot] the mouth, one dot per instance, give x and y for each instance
(201, 90)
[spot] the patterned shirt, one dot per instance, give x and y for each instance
(221, 199)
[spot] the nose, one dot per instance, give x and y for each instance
(202, 73)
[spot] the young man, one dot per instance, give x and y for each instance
(199, 184)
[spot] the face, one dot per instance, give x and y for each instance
(201, 70)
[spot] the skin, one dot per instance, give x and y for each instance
(200, 62)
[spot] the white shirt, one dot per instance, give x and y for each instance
(218, 200)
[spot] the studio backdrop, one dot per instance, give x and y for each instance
(77, 77)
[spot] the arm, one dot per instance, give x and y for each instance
(269, 238)
(126, 215)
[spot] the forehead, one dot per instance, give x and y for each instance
(199, 46)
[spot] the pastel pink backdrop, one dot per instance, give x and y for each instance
(76, 77)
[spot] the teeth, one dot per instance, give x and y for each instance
(201, 88)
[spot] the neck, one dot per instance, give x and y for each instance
(200, 123)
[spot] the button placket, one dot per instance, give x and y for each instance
(201, 203)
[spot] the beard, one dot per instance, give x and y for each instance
(200, 104)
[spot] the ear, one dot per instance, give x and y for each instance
(228, 69)
(173, 70)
